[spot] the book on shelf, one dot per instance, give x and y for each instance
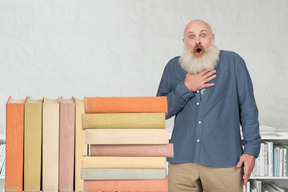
(32, 144)
(89, 162)
(125, 105)
(66, 145)
(122, 174)
(148, 150)
(127, 185)
(272, 160)
(50, 146)
(14, 144)
(80, 146)
(3, 169)
(123, 120)
(126, 136)
(2, 156)
(257, 184)
(269, 157)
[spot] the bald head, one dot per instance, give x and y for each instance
(197, 23)
(198, 32)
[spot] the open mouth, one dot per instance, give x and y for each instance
(198, 50)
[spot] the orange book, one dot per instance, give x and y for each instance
(127, 185)
(14, 144)
(125, 104)
(164, 150)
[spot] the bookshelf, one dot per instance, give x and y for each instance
(280, 137)
(2, 140)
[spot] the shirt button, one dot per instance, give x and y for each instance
(198, 140)
(198, 103)
(187, 99)
(197, 91)
(199, 122)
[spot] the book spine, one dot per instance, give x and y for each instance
(126, 136)
(127, 185)
(125, 105)
(124, 121)
(66, 149)
(32, 146)
(122, 174)
(123, 162)
(50, 161)
(132, 150)
(270, 158)
(14, 147)
(80, 146)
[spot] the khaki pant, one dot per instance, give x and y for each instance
(193, 177)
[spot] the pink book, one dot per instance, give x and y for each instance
(149, 150)
(66, 144)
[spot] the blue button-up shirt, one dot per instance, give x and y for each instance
(207, 126)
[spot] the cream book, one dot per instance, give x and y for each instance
(127, 136)
(50, 146)
(80, 146)
(89, 162)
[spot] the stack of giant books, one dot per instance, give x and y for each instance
(128, 144)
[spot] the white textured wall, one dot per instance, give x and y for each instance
(120, 47)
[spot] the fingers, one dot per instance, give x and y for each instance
(210, 78)
(207, 73)
(208, 85)
(245, 180)
(204, 72)
(240, 163)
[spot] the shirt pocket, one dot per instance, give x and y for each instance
(224, 84)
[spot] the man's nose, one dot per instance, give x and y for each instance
(198, 40)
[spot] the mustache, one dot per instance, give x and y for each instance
(198, 48)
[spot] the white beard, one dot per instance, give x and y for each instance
(195, 65)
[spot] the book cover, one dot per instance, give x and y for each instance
(127, 185)
(126, 136)
(125, 105)
(32, 144)
(14, 144)
(89, 162)
(66, 146)
(122, 174)
(80, 146)
(148, 150)
(123, 120)
(50, 146)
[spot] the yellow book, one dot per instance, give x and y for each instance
(126, 136)
(80, 146)
(123, 120)
(32, 144)
(50, 153)
(89, 162)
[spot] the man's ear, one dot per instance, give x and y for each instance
(183, 39)
(213, 36)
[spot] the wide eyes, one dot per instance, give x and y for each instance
(201, 35)
(192, 36)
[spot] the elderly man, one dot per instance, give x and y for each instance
(210, 93)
